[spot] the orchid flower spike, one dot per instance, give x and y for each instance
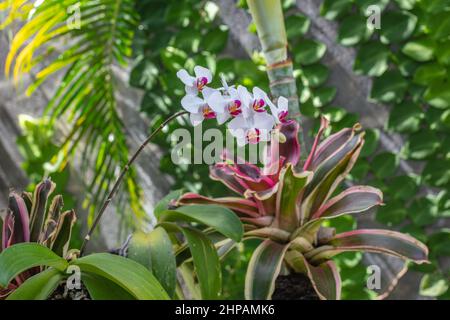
(194, 85)
(280, 112)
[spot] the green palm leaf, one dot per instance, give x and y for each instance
(99, 34)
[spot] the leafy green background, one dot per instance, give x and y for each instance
(408, 60)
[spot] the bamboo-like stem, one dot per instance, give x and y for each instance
(269, 21)
(122, 175)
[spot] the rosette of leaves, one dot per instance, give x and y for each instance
(35, 258)
(286, 207)
(29, 219)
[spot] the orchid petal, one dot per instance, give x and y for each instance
(222, 118)
(259, 94)
(246, 99)
(263, 121)
(191, 103)
(184, 76)
(238, 123)
(191, 90)
(283, 104)
(207, 92)
(217, 102)
(201, 72)
(196, 118)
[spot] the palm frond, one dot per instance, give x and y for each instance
(85, 97)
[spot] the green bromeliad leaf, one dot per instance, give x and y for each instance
(23, 256)
(263, 270)
(220, 218)
(325, 277)
(126, 273)
(290, 187)
(373, 240)
(163, 204)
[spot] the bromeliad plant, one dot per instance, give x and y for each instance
(287, 207)
(35, 258)
(28, 220)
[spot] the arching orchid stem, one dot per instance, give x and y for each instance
(122, 175)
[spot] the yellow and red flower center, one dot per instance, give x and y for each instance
(208, 113)
(253, 136)
(201, 83)
(282, 116)
(258, 105)
(235, 108)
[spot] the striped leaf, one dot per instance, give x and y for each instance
(263, 270)
(325, 277)
(373, 240)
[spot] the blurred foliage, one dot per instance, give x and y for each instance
(85, 40)
(409, 61)
(37, 148)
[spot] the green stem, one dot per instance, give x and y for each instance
(122, 175)
(269, 21)
(282, 83)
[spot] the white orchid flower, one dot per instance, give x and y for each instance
(253, 103)
(226, 106)
(252, 130)
(194, 85)
(198, 109)
(280, 112)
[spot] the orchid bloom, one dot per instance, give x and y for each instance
(251, 122)
(251, 130)
(280, 112)
(226, 106)
(198, 109)
(194, 85)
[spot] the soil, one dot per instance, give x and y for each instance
(295, 286)
(62, 293)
